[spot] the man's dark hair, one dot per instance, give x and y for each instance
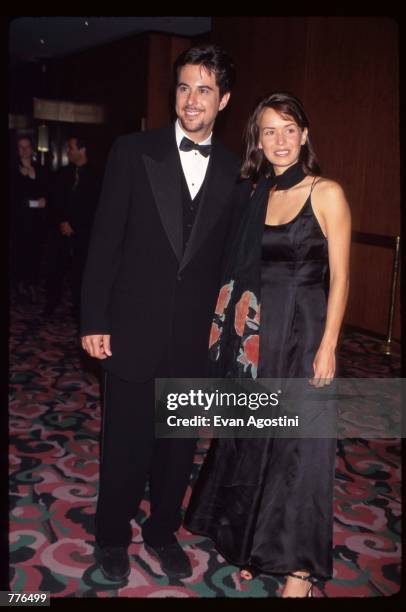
(81, 140)
(214, 59)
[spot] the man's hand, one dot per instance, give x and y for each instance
(42, 203)
(97, 345)
(66, 228)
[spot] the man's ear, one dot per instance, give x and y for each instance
(224, 100)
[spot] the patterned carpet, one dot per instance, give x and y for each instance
(54, 427)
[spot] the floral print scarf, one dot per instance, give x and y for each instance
(234, 336)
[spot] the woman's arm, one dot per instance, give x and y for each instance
(332, 209)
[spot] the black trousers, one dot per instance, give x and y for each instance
(27, 248)
(65, 257)
(131, 456)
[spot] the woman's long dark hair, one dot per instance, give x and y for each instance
(255, 163)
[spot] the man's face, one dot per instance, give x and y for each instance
(198, 101)
(24, 149)
(72, 151)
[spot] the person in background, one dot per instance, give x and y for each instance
(29, 196)
(74, 199)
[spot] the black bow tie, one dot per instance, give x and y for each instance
(187, 145)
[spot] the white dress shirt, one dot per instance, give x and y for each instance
(194, 164)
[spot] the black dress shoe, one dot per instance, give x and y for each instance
(173, 560)
(114, 562)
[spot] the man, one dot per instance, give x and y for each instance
(148, 296)
(76, 192)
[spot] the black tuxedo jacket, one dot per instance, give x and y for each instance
(155, 300)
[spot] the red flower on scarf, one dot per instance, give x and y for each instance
(241, 312)
(215, 333)
(249, 353)
(224, 298)
(251, 348)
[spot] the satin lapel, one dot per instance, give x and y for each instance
(164, 178)
(217, 190)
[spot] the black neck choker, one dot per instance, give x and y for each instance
(292, 176)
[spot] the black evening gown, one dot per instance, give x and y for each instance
(268, 502)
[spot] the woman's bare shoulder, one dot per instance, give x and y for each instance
(328, 194)
(327, 186)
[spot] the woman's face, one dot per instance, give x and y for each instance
(280, 137)
(24, 148)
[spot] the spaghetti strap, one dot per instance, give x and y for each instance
(315, 181)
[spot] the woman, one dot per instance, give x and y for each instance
(28, 220)
(267, 503)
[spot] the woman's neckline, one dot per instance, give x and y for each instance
(291, 220)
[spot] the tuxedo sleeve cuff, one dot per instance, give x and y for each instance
(93, 332)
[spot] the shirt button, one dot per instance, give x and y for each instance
(189, 225)
(179, 277)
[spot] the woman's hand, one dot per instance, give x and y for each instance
(324, 366)
(66, 228)
(28, 171)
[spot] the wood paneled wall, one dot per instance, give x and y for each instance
(345, 70)
(163, 51)
(131, 77)
(114, 75)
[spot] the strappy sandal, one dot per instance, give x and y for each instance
(251, 570)
(309, 578)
